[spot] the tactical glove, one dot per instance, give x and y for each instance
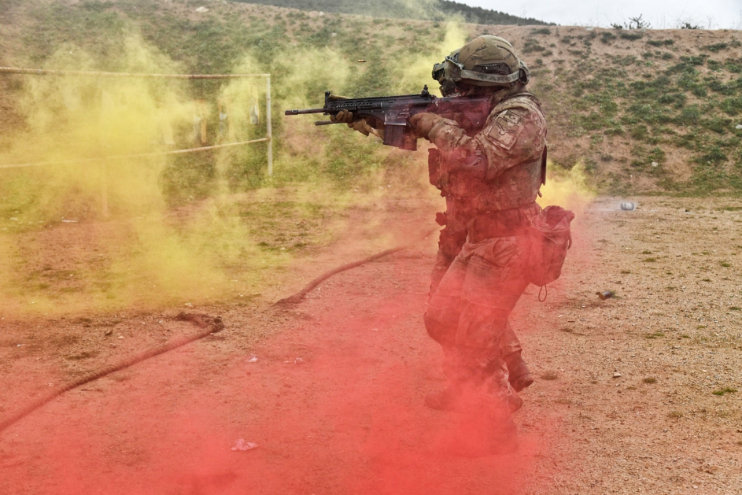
(423, 123)
(354, 122)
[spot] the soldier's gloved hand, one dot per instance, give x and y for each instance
(344, 117)
(423, 123)
(356, 123)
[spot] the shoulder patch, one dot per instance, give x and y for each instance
(505, 129)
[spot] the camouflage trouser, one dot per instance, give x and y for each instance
(468, 314)
(449, 246)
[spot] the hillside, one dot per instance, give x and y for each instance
(427, 9)
(645, 111)
(654, 111)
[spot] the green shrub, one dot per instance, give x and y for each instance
(660, 42)
(694, 60)
(639, 132)
(689, 115)
(607, 37)
(656, 154)
(699, 91)
(731, 106)
(532, 46)
(675, 99)
(714, 156)
(725, 390)
(720, 87)
(717, 124)
(631, 36)
(716, 47)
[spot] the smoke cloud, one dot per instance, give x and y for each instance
(567, 188)
(145, 253)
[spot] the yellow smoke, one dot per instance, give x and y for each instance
(417, 68)
(567, 188)
(142, 254)
(60, 253)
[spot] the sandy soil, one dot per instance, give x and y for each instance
(334, 400)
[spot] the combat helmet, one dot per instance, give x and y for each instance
(486, 61)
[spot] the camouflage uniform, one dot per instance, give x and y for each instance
(490, 201)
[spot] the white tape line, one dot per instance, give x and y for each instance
(52, 72)
(137, 155)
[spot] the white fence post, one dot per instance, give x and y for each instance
(269, 124)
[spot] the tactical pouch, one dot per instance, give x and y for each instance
(549, 239)
(450, 242)
(434, 166)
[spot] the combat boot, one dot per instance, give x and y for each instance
(519, 375)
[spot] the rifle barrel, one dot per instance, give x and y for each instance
(302, 112)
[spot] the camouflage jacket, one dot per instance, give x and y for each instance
(511, 147)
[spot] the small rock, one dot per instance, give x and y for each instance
(298, 361)
(655, 164)
(616, 374)
(242, 445)
(252, 359)
(201, 10)
(108, 333)
(738, 127)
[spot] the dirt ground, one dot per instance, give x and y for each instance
(634, 394)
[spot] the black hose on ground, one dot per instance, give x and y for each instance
(297, 298)
(209, 324)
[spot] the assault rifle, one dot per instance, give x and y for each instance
(394, 112)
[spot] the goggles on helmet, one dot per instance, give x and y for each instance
(450, 71)
(447, 73)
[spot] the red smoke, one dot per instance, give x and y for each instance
(348, 418)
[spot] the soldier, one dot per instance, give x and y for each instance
(490, 178)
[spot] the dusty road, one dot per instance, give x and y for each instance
(334, 400)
